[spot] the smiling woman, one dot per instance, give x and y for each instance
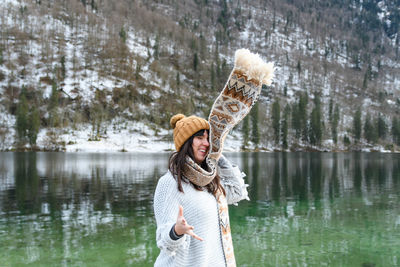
(191, 200)
(200, 146)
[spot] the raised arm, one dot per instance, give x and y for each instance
(232, 181)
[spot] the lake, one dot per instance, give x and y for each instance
(305, 209)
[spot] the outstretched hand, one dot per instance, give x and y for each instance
(182, 227)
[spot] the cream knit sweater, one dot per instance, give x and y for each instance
(200, 210)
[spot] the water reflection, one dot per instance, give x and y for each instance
(58, 179)
(78, 205)
(320, 209)
(305, 209)
(310, 177)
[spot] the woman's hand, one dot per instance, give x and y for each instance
(182, 227)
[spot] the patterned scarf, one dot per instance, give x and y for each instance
(238, 96)
(235, 101)
(225, 229)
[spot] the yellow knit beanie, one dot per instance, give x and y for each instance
(184, 127)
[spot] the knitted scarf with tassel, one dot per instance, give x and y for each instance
(235, 101)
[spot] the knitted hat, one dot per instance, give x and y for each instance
(184, 127)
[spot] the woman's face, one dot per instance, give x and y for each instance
(200, 147)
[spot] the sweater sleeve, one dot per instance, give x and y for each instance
(166, 208)
(232, 181)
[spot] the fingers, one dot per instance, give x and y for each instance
(191, 233)
(180, 214)
(184, 227)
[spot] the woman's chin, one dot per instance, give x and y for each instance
(200, 159)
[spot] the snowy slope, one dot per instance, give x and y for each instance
(125, 134)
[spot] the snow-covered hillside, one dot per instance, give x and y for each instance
(117, 72)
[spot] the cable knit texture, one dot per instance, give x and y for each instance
(201, 211)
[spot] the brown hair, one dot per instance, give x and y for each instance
(178, 159)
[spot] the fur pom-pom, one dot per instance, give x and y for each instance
(253, 66)
(175, 119)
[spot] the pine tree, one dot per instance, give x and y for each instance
(276, 117)
(245, 131)
(367, 128)
(296, 121)
(331, 110)
(255, 135)
(93, 5)
(216, 56)
(33, 127)
(22, 117)
(148, 46)
(346, 140)
(1, 56)
(370, 133)
(195, 62)
(274, 21)
(357, 125)
(53, 106)
(53, 101)
(122, 34)
(382, 127)
(365, 81)
(212, 77)
(156, 47)
(63, 67)
(178, 82)
(396, 130)
(335, 123)
(298, 67)
(224, 15)
(367, 76)
(137, 71)
(303, 102)
(284, 126)
(316, 122)
(203, 46)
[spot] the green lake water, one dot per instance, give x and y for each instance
(306, 209)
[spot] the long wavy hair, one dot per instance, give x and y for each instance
(177, 161)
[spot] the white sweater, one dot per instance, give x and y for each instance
(200, 210)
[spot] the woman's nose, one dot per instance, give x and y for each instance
(205, 142)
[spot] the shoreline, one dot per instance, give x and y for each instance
(75, 149)
(146, 140)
